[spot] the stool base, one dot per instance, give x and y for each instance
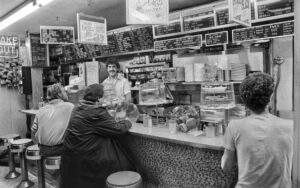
(12, 175)
(25, 184)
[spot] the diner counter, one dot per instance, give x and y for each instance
(163, 134)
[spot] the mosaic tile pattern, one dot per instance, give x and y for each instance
(169, 165)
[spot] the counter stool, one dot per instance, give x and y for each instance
(53, 163)
(19, 146)
(33, 153)
(6, 139)
(123, 179)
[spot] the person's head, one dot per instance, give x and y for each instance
(112, 66)
(93, 92)
(56, 91)
(256, 91)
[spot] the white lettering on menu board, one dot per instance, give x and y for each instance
(92, 32)
(147, 11)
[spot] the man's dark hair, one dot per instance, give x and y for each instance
(112, 61)
(93, 92)
(256, 91)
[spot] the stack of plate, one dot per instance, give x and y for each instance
(238, 71)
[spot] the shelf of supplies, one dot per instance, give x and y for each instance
(125, 53)
(146, 65)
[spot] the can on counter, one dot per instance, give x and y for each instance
(227, 75)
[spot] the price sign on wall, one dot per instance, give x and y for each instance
(91, 29)
(9, 46)
(147, 11)
(240, 12)
(57, 35)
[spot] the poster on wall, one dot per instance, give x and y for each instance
(57, 35)
(9, 46)
(147, 11)
(91, 29)
(240, 12)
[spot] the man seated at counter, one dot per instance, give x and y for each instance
(262, 144)
(120, 84)
(51, 121)
(93, 141)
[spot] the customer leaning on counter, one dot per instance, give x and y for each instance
(118, 83)
(93, 141)
(51, 121)
(262, 144)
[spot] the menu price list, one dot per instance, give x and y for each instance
(57, 36)
(177, 43)
(111, 47)
(198, 23)
(143, 38)
(124, 41)
(38, 51)
(222, 16)
(81, 51)
(218, 38)
(174, 27)
(264, 31)
(275, 8)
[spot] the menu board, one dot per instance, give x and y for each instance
(177, 43)
(222, 16)
(124, 41)
(111, 47)
(143, 38)
(199, 21)
(211, 49)
(266, 8)
(218, 38)
(173, 27)
(263, 31)
(38, 51)
(57, 35)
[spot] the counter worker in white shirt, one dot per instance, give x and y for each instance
(121, 84)
(51, 121)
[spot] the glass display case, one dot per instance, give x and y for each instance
(152, 93)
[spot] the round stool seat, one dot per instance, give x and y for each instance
(9, 137)
(126, 179)
(33, 152)
(52, 163)
(20, 145)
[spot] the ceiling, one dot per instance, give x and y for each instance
(63, 13)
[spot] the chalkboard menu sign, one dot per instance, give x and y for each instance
(143, 38)
(174, 27)
(263, 31)
(177, 43)
(199, 21)
(111, 47)
(124, 41)
(57, 35)
(211, 49)
(222, 16)
(38, 51)
(218, 38)
(267, 8)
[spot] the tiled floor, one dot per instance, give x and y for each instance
(4, 183)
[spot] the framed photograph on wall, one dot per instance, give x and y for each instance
(147, 12)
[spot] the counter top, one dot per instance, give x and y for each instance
(29, 111)
(162, 133)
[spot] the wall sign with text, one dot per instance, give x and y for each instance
(218, 38)
(91, 29)
(178, 43)
(9, 46)
(147, 11)
(240, 12)
(57, 35)
(263, 31)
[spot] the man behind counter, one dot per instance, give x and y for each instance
(120, 84)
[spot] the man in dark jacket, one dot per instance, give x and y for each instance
(93, 144)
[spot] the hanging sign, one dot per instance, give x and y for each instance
(91, 29)
(9, 46)
(57, 35)
(240, 12)
(147, 11)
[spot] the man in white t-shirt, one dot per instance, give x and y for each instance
(261, 144)
(119, 85)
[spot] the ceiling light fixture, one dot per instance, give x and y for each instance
(22, 12)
